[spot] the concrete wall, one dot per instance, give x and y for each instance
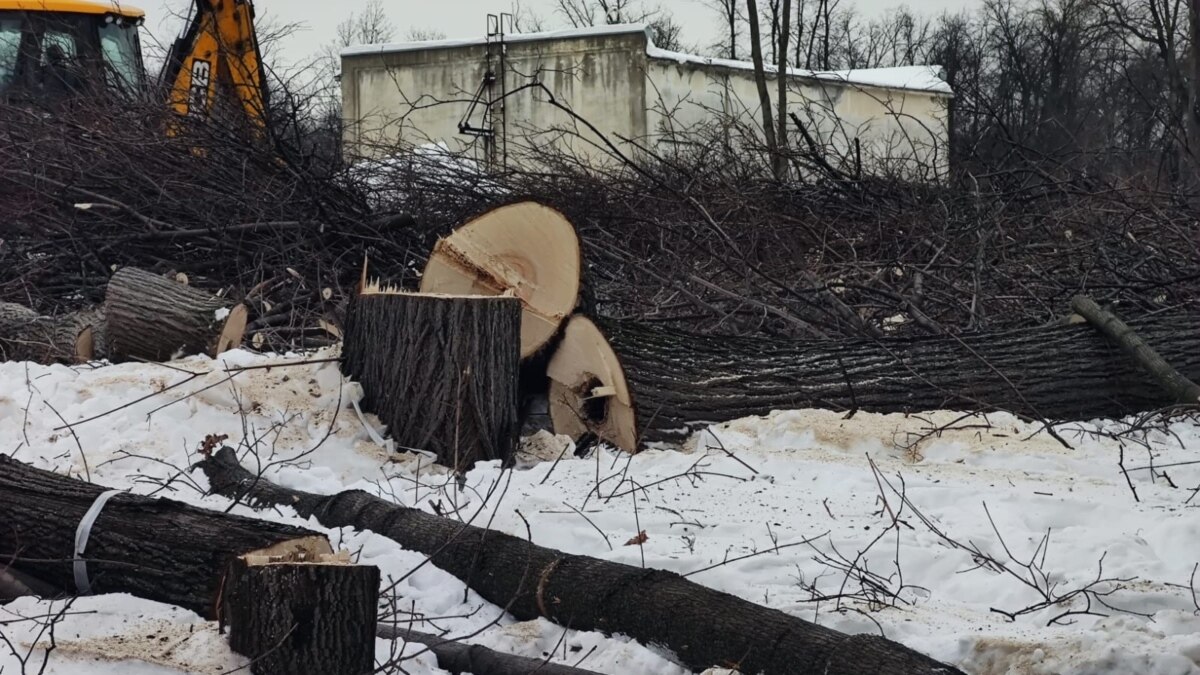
(624, 87)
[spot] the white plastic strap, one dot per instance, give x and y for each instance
(387, 444)
(81, 539)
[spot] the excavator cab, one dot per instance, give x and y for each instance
(53, 49)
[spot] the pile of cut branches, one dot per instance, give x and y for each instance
(86, 191)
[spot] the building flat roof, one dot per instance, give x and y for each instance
(912, 78)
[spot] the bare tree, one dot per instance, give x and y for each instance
(760, 79)
(779, 163)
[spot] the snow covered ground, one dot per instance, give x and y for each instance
(772, 509)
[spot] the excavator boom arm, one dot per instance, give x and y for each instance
(218, 56)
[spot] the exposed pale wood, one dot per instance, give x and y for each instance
(440, 371)
(152, 318)
(588, 389)
(699, 625)
(527, 248)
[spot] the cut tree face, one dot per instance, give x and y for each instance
(528, 249)
(588, 391)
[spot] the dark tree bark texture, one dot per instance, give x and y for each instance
(703, 627)
(156, 549)
(442, 372)
(302, 618)
(152, 318)
(26, 336)
(679, 382)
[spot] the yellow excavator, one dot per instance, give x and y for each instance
(55, 48)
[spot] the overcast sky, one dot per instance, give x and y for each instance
(457, 18)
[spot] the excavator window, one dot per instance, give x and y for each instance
(47, 56)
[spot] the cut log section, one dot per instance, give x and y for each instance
(699, 625)
(152, 318)
(157, 549)
(440, 371)
(525, 248)
(294, 615)
(27, 336)
(632, 383)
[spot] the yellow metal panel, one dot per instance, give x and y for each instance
(74, 7)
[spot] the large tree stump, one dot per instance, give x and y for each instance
(156, 549)
(296, 616)
(525, 248)
(440, 371)
(27, 336)
(630, 383)
(152, 318)
(701, 626)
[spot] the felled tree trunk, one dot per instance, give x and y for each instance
(701, 626)
(527, 249)
(152, 318)
(302, 617)
(156, 549)
(440, 371)
(27, 336)
(459, 657)
(632, 383)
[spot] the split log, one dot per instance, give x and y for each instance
(440, 371)
(296, 616)
(700, 625)
(157, 549)
(27, 336)
(632, 383)
(459, 657)
(525, 248)
(152, 318)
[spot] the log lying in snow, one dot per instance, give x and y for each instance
(27, 336)
(298, 616)
(458, 657)
(156, 549)
(632, 383)
(525, 248)
(152, 318)
(703, 627)
(440, 371)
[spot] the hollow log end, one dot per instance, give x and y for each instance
(588, 389)
(525, 248)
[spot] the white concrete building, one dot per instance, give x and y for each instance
(497, 97)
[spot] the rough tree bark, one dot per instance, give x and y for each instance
(666, 383)
(1174, 383)
(703, 627)
(302, 617)
(156, 549)
(152, 318)
(27, 336)
(459, 657)
(440, 371)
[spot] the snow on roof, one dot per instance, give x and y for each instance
(913, 78)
